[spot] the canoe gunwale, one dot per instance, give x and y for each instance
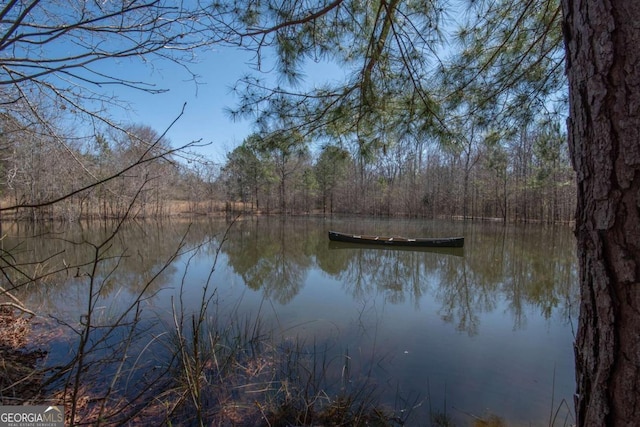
(443, 242)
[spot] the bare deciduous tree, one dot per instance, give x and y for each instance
(58, 59)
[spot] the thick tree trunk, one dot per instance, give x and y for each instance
(603, 64)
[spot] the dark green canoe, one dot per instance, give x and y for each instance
(426, 242)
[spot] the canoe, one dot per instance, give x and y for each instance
(437, 242)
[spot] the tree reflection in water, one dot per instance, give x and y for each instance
(518, 273)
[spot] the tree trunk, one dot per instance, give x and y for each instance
(603, 65)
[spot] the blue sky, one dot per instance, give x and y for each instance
(204, 117)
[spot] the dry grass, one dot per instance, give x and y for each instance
(20, 381)
(14, 329)
(490, 420)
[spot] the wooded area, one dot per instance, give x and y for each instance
(477, 136)
(528, 178)
(525, 179)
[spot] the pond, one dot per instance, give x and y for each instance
(487, 330)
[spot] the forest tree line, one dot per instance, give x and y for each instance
(527, 177)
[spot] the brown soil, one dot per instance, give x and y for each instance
(20, 380)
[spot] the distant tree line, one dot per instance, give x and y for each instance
(525, 178)
(122, 172)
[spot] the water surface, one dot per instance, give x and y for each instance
(486, 330)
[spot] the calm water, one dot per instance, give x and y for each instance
(487, 330)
